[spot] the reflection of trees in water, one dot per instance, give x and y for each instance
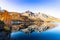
(18, 25)
(21, 25)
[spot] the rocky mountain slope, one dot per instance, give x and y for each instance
(28, 21)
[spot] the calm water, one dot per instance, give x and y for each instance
(52, 34)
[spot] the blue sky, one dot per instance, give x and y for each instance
(50, 7)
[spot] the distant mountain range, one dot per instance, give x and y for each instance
(41, 16)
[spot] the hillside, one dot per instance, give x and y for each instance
(28, 21)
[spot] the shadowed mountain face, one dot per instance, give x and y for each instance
(27, 21)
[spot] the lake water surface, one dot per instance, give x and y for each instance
(52, 34)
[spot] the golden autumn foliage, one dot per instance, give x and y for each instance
(6, 17)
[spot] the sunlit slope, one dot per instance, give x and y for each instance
(52, 19)
(4, 16)
(47, 18)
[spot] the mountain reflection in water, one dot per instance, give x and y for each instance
(52, 34)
